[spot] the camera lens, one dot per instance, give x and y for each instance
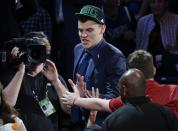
(37, 53)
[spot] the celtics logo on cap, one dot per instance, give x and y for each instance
(89, 11)
(93, 13)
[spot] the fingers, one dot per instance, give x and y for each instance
(15, 52)
(68, 98)
(97, 93)
(72, 85)
(79, 77)
(50, 64)
(65, 101)
(88, 94)
(94, 93)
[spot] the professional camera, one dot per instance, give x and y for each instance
(32, 51)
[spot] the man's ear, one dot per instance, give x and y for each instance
(125, 91)
(103, 28)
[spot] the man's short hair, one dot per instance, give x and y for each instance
(143, 61)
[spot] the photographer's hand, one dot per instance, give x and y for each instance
(15, 52)
(50, 72)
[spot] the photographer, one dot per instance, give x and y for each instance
(38, 89)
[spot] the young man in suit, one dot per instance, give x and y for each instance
(100, 63)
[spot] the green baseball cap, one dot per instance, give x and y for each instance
(92, 12)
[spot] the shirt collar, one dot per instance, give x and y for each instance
(95, 50)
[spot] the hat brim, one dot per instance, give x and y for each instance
(92, 18)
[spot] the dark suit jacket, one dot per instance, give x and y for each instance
(108, 66)
(104, 74)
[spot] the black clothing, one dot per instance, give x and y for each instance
(31, 113)
(155, 43)
(140, 114)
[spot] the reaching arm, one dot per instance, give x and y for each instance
(51, 74)
(93, 104)
(11, 91)
(88, 103)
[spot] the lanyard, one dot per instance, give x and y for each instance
(36, 95)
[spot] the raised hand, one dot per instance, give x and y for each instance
(81, 85)
(70, 97)
(50, 72)
(16, 53)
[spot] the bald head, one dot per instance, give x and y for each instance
(132, 84)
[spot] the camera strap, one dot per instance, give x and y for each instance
(45, 104)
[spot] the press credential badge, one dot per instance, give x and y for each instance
(47, 106)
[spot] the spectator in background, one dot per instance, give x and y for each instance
(32, 17)
(163, 94)
(145, 8)
(157, 32)
(121, 25)
(138, 113)
(100, 63)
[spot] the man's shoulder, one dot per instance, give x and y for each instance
(146, 18)
(109, 49)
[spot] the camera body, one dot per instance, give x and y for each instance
(32, 51)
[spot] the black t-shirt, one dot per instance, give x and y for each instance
(30, 112)
(140, 114)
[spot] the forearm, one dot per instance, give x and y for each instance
(11, 91)
(61, 90)
(93, 104)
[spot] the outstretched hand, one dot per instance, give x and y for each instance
(70, 97)
(81, 85)
(93, 93)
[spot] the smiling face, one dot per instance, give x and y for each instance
(90, 33)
